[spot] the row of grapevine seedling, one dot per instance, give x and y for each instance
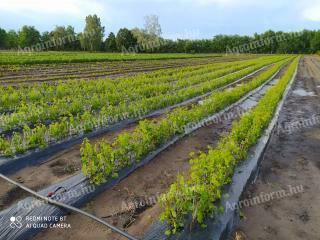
(42, 135)
(13, 98)
(104, 159)
(197, 193)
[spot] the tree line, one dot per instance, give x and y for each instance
(148, 40)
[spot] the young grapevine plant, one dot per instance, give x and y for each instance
(197, 193)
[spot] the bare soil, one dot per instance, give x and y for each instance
(292, 160)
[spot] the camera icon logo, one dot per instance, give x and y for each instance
(16, 222)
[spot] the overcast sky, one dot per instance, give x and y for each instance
(178, 18)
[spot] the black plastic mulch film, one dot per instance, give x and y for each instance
(80, 191)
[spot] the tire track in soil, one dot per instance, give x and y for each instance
(290, 159)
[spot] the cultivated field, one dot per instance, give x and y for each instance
(157, 138)
(11, 58)
(29, 73)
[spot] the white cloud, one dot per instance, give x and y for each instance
(208, 2)
(225, 2)
(59, 7)
(312, 12)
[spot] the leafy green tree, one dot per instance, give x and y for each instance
(45, 36)
(59, 35)
(12, 39)
(139, 34)
(190, 47)
(305, 40)
(315, 42)
(110, 43)
(64, 38)
(3, 38)
(28, 36)
(270, 42)
(149, 38)
(143, 39)
(92, 36)
(126, 42)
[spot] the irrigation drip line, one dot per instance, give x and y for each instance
(71, 208)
